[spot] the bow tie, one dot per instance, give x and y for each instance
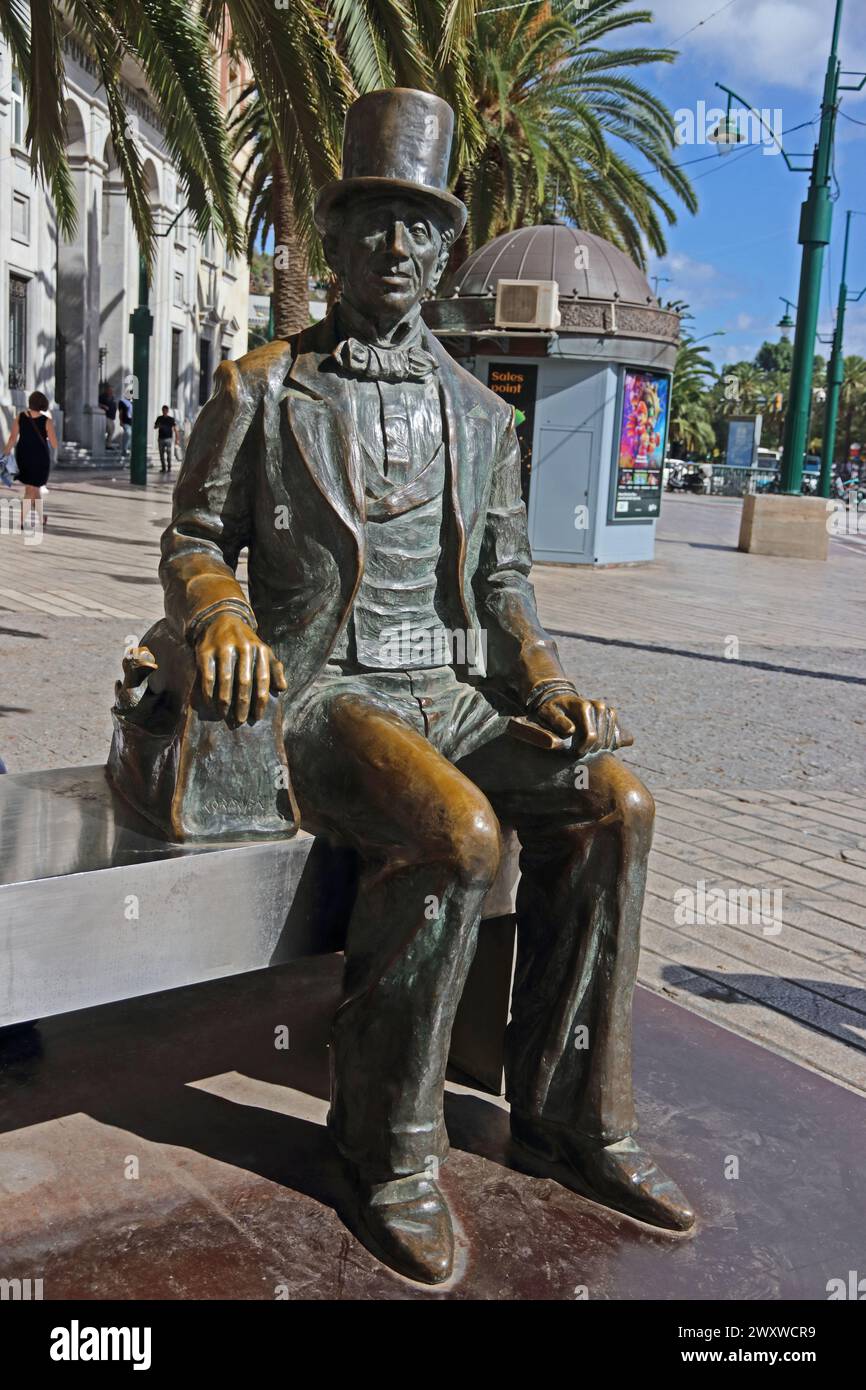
(384, 364)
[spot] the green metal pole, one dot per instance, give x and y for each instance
(835, 375)
(816, 221)
(141, 328)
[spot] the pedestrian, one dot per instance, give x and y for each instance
(108, 406)
(124, 414)
(33, 437)
(166, 431)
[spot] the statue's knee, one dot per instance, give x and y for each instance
(637, 806)
(473, 841)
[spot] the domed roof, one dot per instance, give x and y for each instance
(583, 265)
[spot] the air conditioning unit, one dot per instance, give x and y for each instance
(527, 304)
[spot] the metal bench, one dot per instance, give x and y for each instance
(94, 908)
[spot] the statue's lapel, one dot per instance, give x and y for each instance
(320, 417)
(465, 435)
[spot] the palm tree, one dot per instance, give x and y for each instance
(749, 393)
(853, 397)
(544, 116)
(170, 44)
(286, 123)
(375, 43)
(560, 116)
(691, 425)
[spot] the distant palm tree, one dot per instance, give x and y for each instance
(170, 44)
(562, 117)
(691, 424)
(853, 399)
(750, 391)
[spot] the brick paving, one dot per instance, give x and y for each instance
(741, 678)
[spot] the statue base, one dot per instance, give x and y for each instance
(220, 1094)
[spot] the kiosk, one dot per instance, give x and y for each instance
(565, 326)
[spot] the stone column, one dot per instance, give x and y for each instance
(78, 294)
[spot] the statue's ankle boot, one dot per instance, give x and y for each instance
(406, 1224)
(619, 1175)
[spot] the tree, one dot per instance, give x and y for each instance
(853, 401)
(545, 119)
(169, 42)
(691, 425)
(748, 395)
(343, 47)
(775, 357)
(560, 117)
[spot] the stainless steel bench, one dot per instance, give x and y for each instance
(94, 907)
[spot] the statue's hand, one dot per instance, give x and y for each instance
(237, 669)
(593, 724)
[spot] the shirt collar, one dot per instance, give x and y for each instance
(407, 334)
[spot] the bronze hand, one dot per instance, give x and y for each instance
(593, 723)
(237, 669)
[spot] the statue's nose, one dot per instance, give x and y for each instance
(397, 242)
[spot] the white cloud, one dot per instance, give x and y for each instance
(777, 41)
(684, 271)
(697, 282)
(742, 352)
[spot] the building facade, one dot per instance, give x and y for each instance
(65, 305)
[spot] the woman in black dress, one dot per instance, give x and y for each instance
(32, 433)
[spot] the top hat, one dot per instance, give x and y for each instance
(396, 141)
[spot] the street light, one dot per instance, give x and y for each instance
(727, 133)
(815, 227)
(141, 328)
(836, 368)
(786, 323)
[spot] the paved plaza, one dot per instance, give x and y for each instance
(741, 678)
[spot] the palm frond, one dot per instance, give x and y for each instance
(380, 44)
(171, 44)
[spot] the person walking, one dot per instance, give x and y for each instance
(124, 414)
(33, 437)
(108, 406)
(166, 433)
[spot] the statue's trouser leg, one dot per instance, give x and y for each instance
(583, 875)
(430, 844)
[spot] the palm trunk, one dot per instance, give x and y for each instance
(461, 248)
(291, 265)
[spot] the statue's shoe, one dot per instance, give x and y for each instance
(620, 1175)
(406, 1224)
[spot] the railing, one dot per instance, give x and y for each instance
(738, 482)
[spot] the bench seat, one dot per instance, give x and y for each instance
(95, 907)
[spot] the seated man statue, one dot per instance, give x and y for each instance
(376, 486)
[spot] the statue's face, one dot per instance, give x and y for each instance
(389, 252)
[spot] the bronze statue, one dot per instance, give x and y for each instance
(391, 622)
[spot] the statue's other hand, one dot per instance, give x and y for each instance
(593, 724)
(237, 669)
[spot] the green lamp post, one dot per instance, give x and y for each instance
(141, 328)
(836, 368)
(816, 221)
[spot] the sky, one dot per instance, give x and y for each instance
(734, 259)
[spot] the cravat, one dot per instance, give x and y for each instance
(384, 364)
